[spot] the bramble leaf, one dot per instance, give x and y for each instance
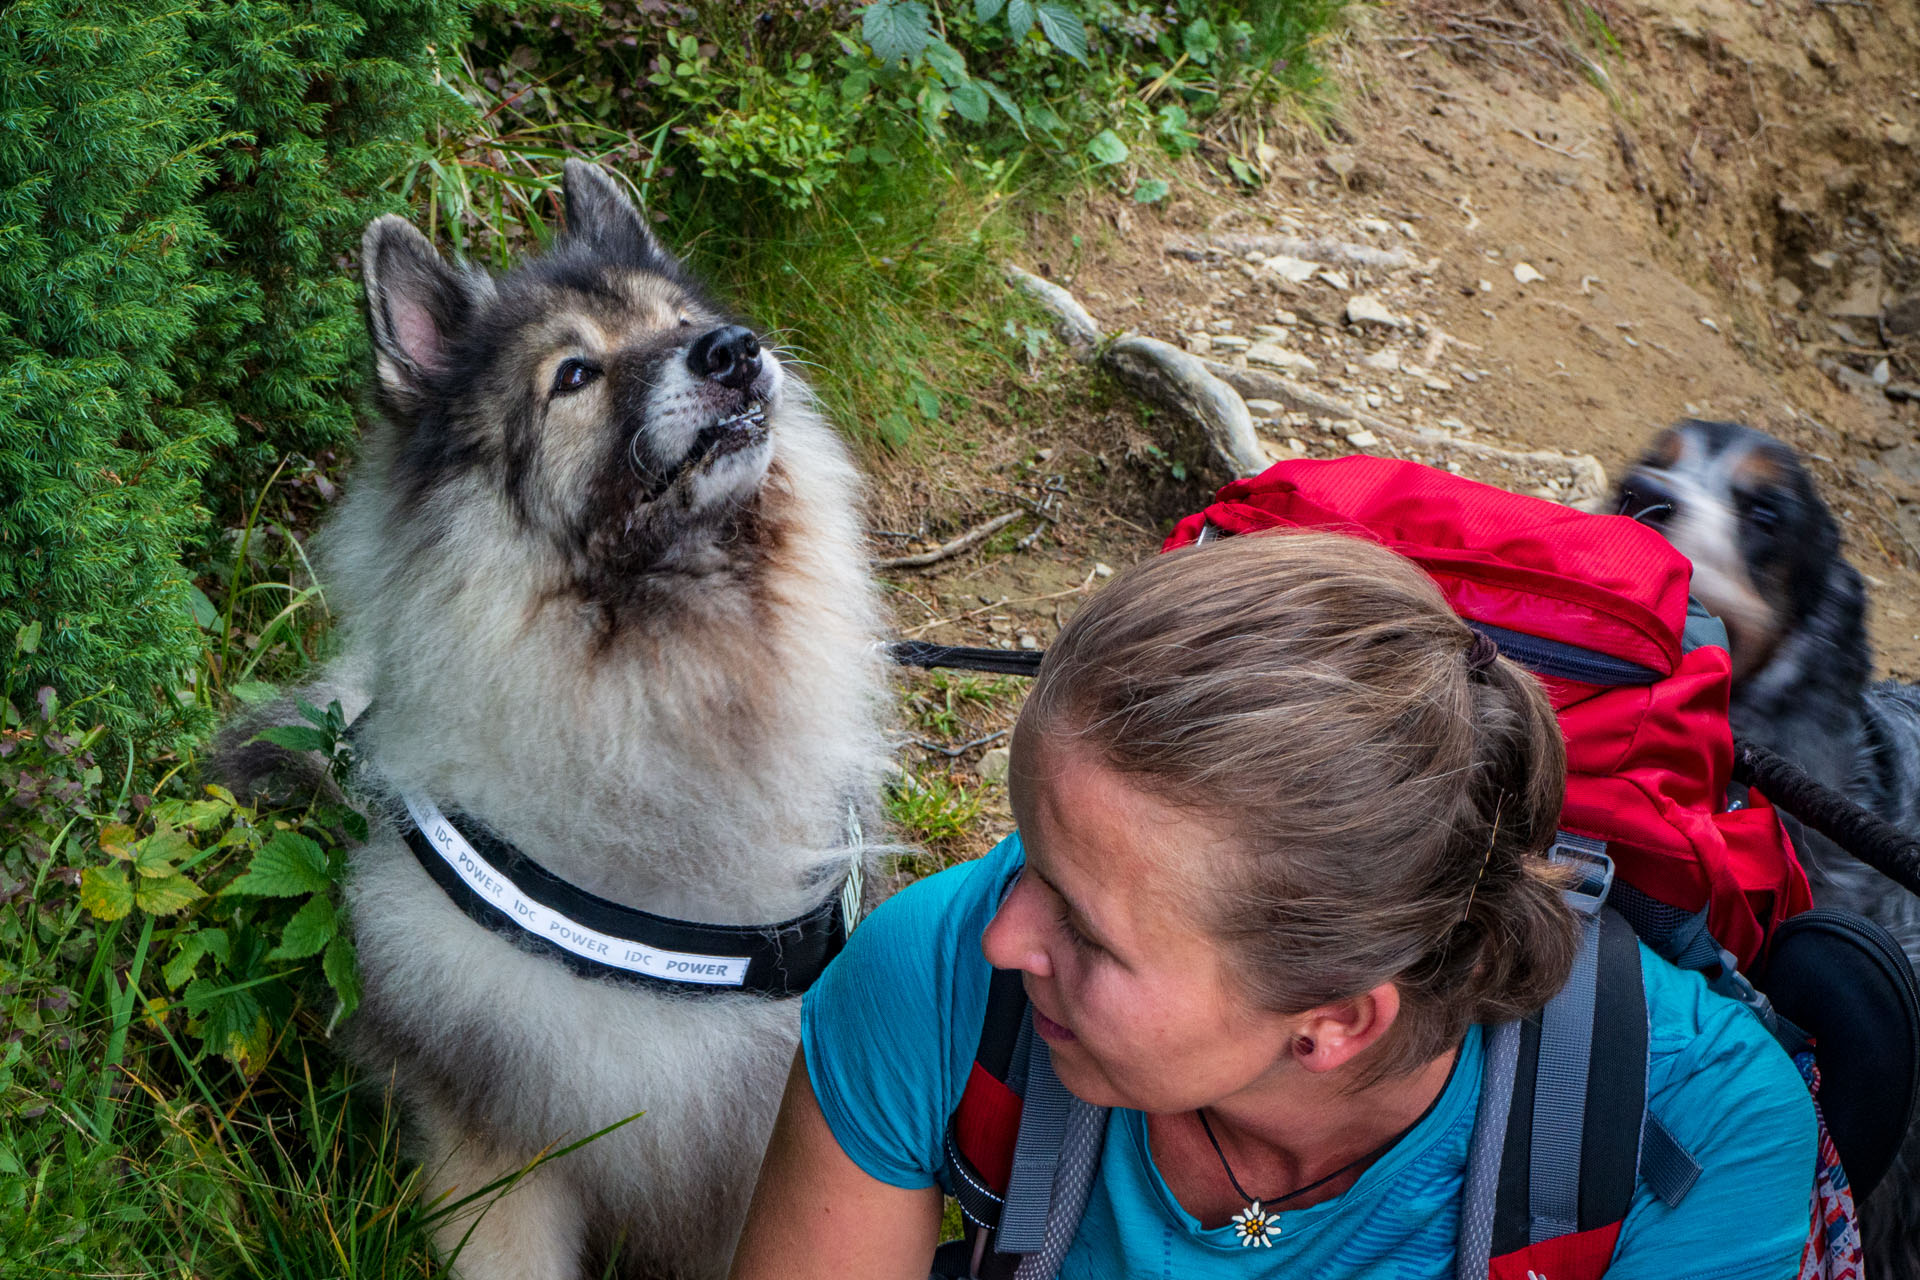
(897, 30)
(343, 973)
(312, 927)
(116, 840)
(104, 891)
(1064, 30)
(286, 866)
(164, 895)
(970, 100)
(295, 737)
(1019, 18)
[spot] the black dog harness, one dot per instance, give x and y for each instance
(507, 892)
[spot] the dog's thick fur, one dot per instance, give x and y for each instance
(1766, 559)
(596, 608)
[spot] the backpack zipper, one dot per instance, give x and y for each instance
(1564, 661)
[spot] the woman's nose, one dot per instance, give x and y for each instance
(1015, 938)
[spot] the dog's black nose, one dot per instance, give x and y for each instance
(1646, 499)
(729, 355)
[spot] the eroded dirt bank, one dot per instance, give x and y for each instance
(1519, 235)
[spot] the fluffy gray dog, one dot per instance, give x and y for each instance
(605, 593)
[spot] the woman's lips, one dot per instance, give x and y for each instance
(1049, 1029)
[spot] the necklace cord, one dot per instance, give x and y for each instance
(1297, 1191)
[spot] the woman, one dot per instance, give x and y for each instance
(1279, 859)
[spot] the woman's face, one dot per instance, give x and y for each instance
(1131, 994)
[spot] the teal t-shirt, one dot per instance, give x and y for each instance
(890, 1030)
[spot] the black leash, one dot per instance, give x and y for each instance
(1865, 835)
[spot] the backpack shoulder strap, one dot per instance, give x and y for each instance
(1558, 1147)
(1020, 1151)
(983, 1128)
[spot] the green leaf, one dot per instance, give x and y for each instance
(1107, 148)
(1019, 18)
(1064, 30)
(927, 402)
(295, 737)
(1200, 41)
(312, 927)
(987, 10)
(203, 611)
(970, 100)
(1243, 171)
(164, 895)
(1152, 191)
(27, 639)
(199, 943)
(897, 30)
(286, 866)
(1006, 103)
(104, 891)
(947, 61)
(199, 815)
(343, 973)
(117, 841)
(156, 855)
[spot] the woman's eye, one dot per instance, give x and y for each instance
(572, 375)
(1076, 939)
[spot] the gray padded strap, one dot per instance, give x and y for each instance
(1566, 1051)
(1072, 1183)
(1482, 1190)
(1044, 1109)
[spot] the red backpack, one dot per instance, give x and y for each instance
(1597, 608)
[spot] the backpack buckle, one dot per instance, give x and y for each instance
(1592, 869)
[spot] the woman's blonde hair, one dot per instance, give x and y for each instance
(1311, 696)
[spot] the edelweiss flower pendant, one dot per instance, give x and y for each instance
(1255, 1226)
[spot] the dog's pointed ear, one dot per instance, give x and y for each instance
(600, 214)
(416, 302)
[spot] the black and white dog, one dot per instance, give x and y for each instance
(1766, 559)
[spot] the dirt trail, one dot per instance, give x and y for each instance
(1723, 220)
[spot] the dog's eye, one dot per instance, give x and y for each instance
(1761, 513)
(573, 375)
(686, 322)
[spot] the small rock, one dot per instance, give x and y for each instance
(1362, 439)
(1364, 308)
(1437, 384)
(1200, 343)
(1267, 355)
(1027, 641)
(1101, 569)
(1375, 400)
(1222, 325)
(1900, 135)
(1385, 361)
(1826, 259)
(1283, 317)
(1786, 293)
(1906, 391)
(1525, 274)
(1263, 408)
(1708, 322)
(1338, 279)
(995, 764)
(1296, 444)
(1882, 374)
(1230, 343)
(1271, 332)
(1297, 270)
(1486, 286)
(1342, 165)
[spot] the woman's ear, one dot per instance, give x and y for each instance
(1335, 1034)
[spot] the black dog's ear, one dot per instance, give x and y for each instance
(599, 214)
(416, 302)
